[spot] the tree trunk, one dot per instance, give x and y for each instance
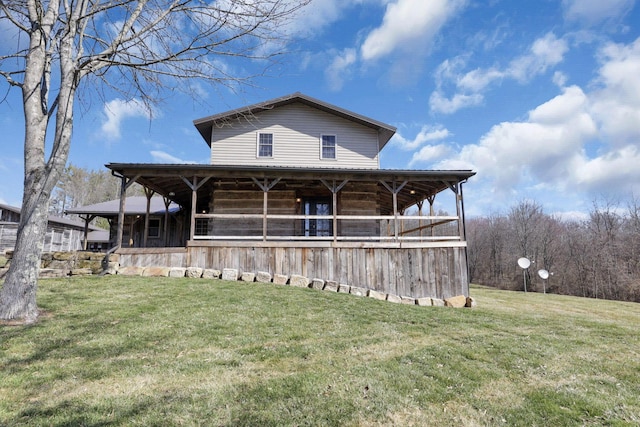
(18, 293)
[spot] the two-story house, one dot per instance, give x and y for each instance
(294, 186)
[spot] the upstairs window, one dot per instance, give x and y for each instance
(328, 147)
(265, 145)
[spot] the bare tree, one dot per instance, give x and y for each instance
(597, 257)
(135, 47)
(78, 187)
(526, 218)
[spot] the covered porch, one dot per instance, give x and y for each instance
(377, 229)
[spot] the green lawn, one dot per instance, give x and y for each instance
(141, 351)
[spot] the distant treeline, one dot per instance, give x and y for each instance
(598, 257)
(81, 187)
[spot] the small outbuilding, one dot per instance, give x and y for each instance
(62, 234)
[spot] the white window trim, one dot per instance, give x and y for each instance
(258, 156)
(336, 147)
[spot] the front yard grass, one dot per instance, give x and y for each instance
(117, 351)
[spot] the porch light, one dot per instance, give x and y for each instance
(412, 191)
(298, 199)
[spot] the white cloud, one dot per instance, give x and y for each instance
(116, 111)
(595, 11)
(426, 134)
(164, 157)
(559, 78)
(562, 109)
(430, 153)
(479, 79)
(576, 143)
(571, 216)
(408, 25)
(613, 170)
(544, 53)
(441, 104)
(617, 102)
(547, 146)
(318, 15)
(338, 71)
(406, 31)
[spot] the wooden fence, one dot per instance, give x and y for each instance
(55, 239)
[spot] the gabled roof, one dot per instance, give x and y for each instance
(206, 124)
(60, 221)
(10, 208)
(134, 205)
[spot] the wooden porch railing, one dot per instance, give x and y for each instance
(429, 228)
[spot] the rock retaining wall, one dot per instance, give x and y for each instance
(233, 274)
(63, 264)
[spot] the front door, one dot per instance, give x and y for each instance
(317, 227)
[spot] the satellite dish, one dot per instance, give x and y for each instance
(524, 262)
(544, 274)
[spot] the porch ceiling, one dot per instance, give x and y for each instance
(171, 181)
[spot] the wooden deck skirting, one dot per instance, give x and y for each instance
(412, 269)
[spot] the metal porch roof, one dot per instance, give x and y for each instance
(169, 179)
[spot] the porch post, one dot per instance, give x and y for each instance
(459, 212)
(455, 187)
(265, 204)
(123, 196)
(125, 184)
(419, 204)
(149, 193)
(87, 220)
(464, 237)
(265, 186)
(334, 208)
(462, 219)
(431, 200)
(395, 212)
(194, 186)
(86, 232)
(394, 189)
(194, 206)
(167, 202)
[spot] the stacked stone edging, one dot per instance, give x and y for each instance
(64, 264)
(232, 274)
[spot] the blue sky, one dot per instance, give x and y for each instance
(541, 98)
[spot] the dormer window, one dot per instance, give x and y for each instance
(265, 145)
(328, 147)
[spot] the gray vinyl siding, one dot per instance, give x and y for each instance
(296, 130)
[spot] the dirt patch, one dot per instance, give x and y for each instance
(42, 314)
